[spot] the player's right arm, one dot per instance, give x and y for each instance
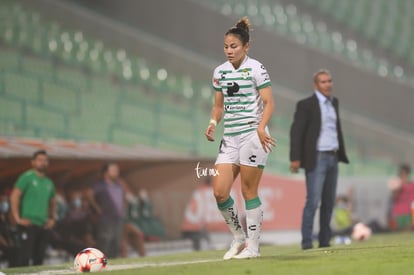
(15, 196)
(216, 114)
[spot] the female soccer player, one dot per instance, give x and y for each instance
(243, 93)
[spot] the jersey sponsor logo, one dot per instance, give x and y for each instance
(232, 88)
(234, 108)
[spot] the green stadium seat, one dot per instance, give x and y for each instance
(61, 98)
(20, 86)
(38, 66)
(133, 115)
(41, 117)
(11, 109)
(389, 23)
(13, 128)
(130, 136)
(10, 60)
(326, 5)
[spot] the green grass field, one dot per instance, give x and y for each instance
(382, 254)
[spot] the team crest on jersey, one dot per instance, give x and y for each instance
(245, 73)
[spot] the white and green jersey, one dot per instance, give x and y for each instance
(243, 106)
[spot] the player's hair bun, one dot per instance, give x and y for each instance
(244, 24)
(241, 29)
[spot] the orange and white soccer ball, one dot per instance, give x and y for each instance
(90, 260)
(361, 232)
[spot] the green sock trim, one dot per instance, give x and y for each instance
(253, 203)
(225, 204)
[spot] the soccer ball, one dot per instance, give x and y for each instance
(89, 260)
(361, 232)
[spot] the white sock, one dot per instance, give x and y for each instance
(232, 220)
(254, 218)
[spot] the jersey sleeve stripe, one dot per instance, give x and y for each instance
(264, 85)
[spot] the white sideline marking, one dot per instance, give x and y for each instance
(126, 266)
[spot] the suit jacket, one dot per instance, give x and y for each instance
(305, 130)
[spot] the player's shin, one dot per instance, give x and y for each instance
(228, 210)
(254, 218)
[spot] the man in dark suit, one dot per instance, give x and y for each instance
(317, 145)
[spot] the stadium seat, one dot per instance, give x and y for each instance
(41, 117)
(11, 109)
(62, 98)
(22, 87)
(386, 22)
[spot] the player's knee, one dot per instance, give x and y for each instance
(249, 193)
(221, 196)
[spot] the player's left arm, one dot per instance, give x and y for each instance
(269, 106)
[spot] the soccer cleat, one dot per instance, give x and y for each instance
(247, 254)
(235, 248)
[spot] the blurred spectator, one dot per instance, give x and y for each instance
(132, 235)
(77, 225)
(198, 231)
(402, 197)
(342, 213)
(61, 204)
(150, 224)
(33, 210)
(109, 200)
(342, 220)
(8, 234)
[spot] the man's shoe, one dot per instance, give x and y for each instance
(307, 246)
(235, 248)
(247, 254)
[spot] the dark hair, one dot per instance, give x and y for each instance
(241, 30)
(39, 152)
(106, 166)
(404, 168)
